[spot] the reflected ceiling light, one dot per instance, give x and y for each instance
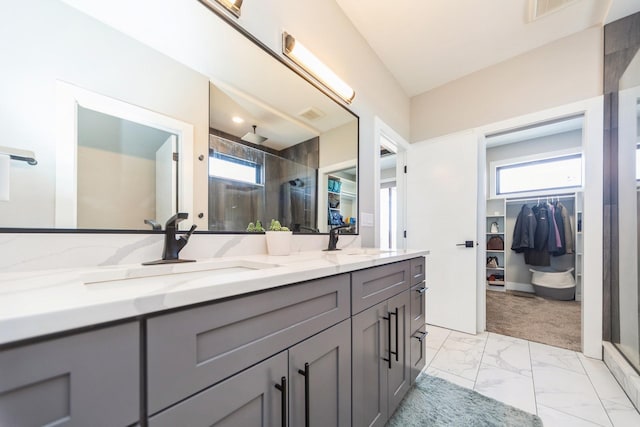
(232, 6)
(237, 119)
(304, 58)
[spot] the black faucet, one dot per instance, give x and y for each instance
(333, 237)
(173, 246)
(154, 225)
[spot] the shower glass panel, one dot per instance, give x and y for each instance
(626, 319)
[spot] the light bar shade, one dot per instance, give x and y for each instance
(294, 50)
(232, 6)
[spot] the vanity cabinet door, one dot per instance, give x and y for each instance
(87, 379)
(377, 284)
(248, 399)
(399, 378)
(320, 379)
(369, 370)
(192, 349)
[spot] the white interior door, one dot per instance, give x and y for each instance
(166, 180)
(442, 199)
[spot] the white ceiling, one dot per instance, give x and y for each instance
(427, 43)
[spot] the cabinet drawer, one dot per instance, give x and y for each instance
(376, 284)
(418, 295)
(87, 379)
(249, 398)
(417, 270)
(192, 349)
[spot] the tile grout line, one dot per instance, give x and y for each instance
(437, 351)
(576, 416)
(595, 390)
(481, 359)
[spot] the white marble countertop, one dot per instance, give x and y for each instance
(34, 304)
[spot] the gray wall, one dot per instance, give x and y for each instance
(559, 73)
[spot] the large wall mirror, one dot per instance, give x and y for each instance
(123, 133)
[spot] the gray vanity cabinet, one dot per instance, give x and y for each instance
(85, 379)
(249, 399)
(316, 374)
(417, 342)
(380, 377)
(192, 349)
(320, 379)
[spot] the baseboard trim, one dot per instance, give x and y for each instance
(626, 376)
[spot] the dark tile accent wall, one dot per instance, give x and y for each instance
(621, 42)
(289, 193)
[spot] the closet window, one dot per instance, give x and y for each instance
(546, 174)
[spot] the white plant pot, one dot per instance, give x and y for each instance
(278, 242)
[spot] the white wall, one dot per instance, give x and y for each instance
(565, 71)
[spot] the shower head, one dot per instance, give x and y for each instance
(253, 137)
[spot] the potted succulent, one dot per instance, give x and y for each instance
(255, 228)
(278, 239)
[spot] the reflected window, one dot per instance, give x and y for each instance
(235, 169)
(546, 174)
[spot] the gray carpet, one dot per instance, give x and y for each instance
(436, 402)
(556, 323)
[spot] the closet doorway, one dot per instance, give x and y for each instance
(534, 240)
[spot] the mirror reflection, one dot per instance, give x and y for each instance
(297, 166)
(117, 144)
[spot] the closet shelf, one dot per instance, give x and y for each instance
(495, 268)
(497, 251)
(497, 233)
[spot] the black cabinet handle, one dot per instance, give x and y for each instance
(283, 388)
(397, 322)
(305, 374)
(422, 290)
(388, 319)
(422, 336)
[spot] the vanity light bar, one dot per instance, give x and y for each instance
(232, 6)
(299, 54)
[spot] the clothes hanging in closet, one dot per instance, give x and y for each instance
(541, 231)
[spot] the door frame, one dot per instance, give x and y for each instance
(68, 98)
(592, 109)
(381, 129)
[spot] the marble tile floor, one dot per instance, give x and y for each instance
(563, 387)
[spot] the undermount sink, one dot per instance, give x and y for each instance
(211, 268)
